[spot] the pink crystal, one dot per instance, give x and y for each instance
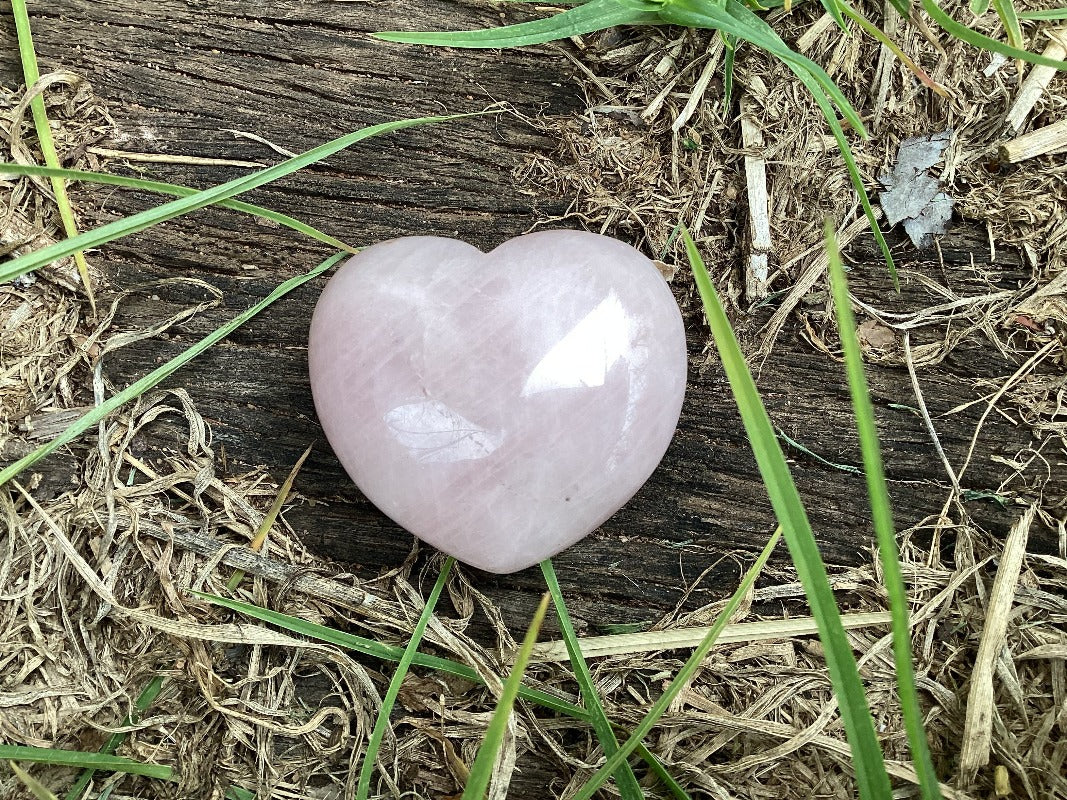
(499, 406)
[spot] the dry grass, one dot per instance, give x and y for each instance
(94, 572)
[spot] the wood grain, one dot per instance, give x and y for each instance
(177, 79)
(178, 76)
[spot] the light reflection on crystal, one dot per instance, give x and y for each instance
(584, 356)
(436, 434)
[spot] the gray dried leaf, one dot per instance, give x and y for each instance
(912, 195)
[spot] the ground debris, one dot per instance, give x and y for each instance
(912, 195)
(153, 523)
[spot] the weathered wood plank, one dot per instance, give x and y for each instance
(178, 77)
(300, 73)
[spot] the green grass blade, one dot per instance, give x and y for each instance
(369, 647)
(903, 7)
(89, 419)
(586, 18)
(380, 724)
(1044, 14)
(184, 205)
(737, 20)
(681, 680)
(1010, 20)
(145, 699)
(482, 768)
(660, 772)
(960, 31)
(270, 518)
(35, 787)
(730, 45)
(867, 756)
(833, 8)
(853, 171)
(178, 191)
(44, 138)
(624, 777)
(881, 36)
(79, 758)
(882, 517)
(979, 7)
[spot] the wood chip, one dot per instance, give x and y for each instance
(978, 724)
(759, 221)
(1034, 85)
(1050, 139)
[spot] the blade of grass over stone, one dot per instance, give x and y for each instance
(380, 724)
(179, 191)
(867, 757)
(268, 520)
(681, 680)
(145, 699)
(624, 778)
(185, 205)
(44, 138)
(153, 378)
(1044, 14)
(369, 647)
(79, 758)
(482, 768)
(35, 787)
(972, 37)
(593, 16)
(882, 517)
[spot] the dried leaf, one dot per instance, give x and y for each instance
(912, 195)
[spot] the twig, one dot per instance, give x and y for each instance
(812, 34)
(298, 578)
(926, 414)
(978, 724)
(758, 204)
(1031, 362)
(1033, 87)
(701, 85)
(815, 269)
(884, 71)
(649, 641)
(165, 158)
(1050, 139)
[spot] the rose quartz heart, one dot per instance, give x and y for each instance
(499, 406)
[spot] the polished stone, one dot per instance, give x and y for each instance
(499, 406)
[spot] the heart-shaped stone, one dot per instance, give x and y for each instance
(499, 406)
